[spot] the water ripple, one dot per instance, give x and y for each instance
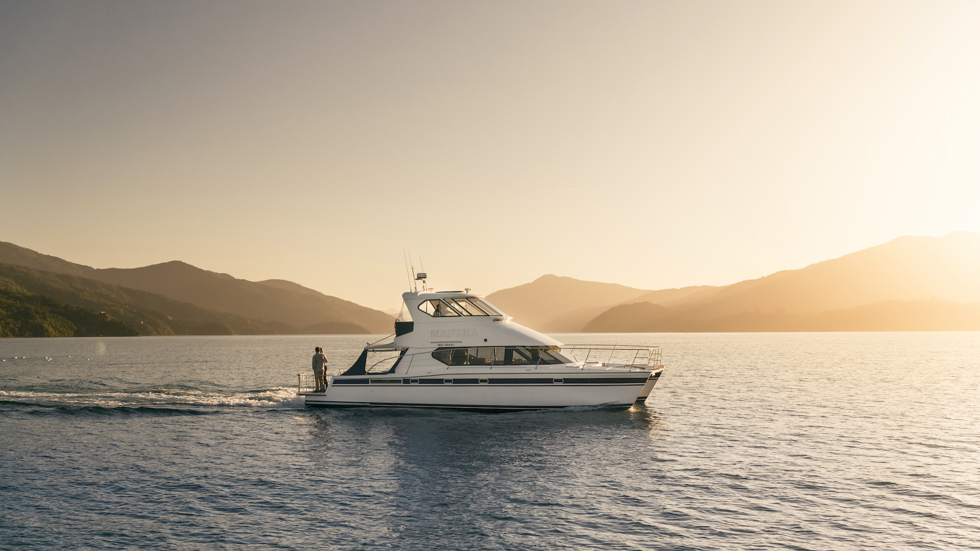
(749, 442)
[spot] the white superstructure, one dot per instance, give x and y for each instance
(455, 350)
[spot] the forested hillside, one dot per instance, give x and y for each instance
(23, 315)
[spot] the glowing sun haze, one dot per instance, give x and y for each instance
(653, 144)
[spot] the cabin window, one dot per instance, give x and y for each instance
(458, 307)
(404, 314)
(442, 354)
(485, 306)
(479, 356)
(437, 308)
(466, 307)
(500, 355)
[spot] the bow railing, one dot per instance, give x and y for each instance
(640, 357)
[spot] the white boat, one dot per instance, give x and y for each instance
(453, 349)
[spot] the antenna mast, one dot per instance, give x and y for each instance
(409, 274)
(415, 282)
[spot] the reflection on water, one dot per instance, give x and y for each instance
(812, 441)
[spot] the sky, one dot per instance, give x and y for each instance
(652, 144)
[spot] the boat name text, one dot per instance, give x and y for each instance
(453, 333)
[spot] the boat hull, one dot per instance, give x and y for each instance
(483, 391)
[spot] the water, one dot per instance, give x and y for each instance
(749, 441)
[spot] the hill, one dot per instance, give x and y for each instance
(907, 268)
(565, 305)
(272, 301)
(145, 313)
(825, 296)
(892, 315)
(554, 303)
(24, 315)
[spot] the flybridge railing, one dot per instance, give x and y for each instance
(609, 354)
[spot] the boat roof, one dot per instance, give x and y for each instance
(440, 294)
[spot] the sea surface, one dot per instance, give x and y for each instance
(749, 441)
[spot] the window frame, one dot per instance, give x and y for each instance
(454, 313)
(459, 356)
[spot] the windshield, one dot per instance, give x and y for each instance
(458, 307)
(486, 307)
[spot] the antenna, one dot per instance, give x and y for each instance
(408, 273)
(413, 271)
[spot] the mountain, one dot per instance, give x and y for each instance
(889, 281)
(637, 317)
(889, 315)
(25, 315)
(565, 305)
(907, 268)
(679, 297)
(272, 301)
(145, 313)
(554, 303)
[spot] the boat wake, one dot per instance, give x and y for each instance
(278, 397)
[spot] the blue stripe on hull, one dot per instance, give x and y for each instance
(459, 407)
(510, 381)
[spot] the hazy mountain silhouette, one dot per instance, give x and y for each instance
(275, 301)
(866, 290)
(550, 302)
(890, 315)
(675, 298)
(565, 305)
(638, 317)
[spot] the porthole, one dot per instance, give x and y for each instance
(447, 381)
(414, 381)
(558, 381)
(484, 381)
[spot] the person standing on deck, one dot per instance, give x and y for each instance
(319, 365)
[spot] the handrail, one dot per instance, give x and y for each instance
(654, 354)
(370, 344)
(382, 360)
(307, 382)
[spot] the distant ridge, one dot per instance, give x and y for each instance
(272, 301)
(555, 303)
(889, 315)
(876, 286)
(910, 283)
(145, 313)
(561, 304)
(906, 268)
